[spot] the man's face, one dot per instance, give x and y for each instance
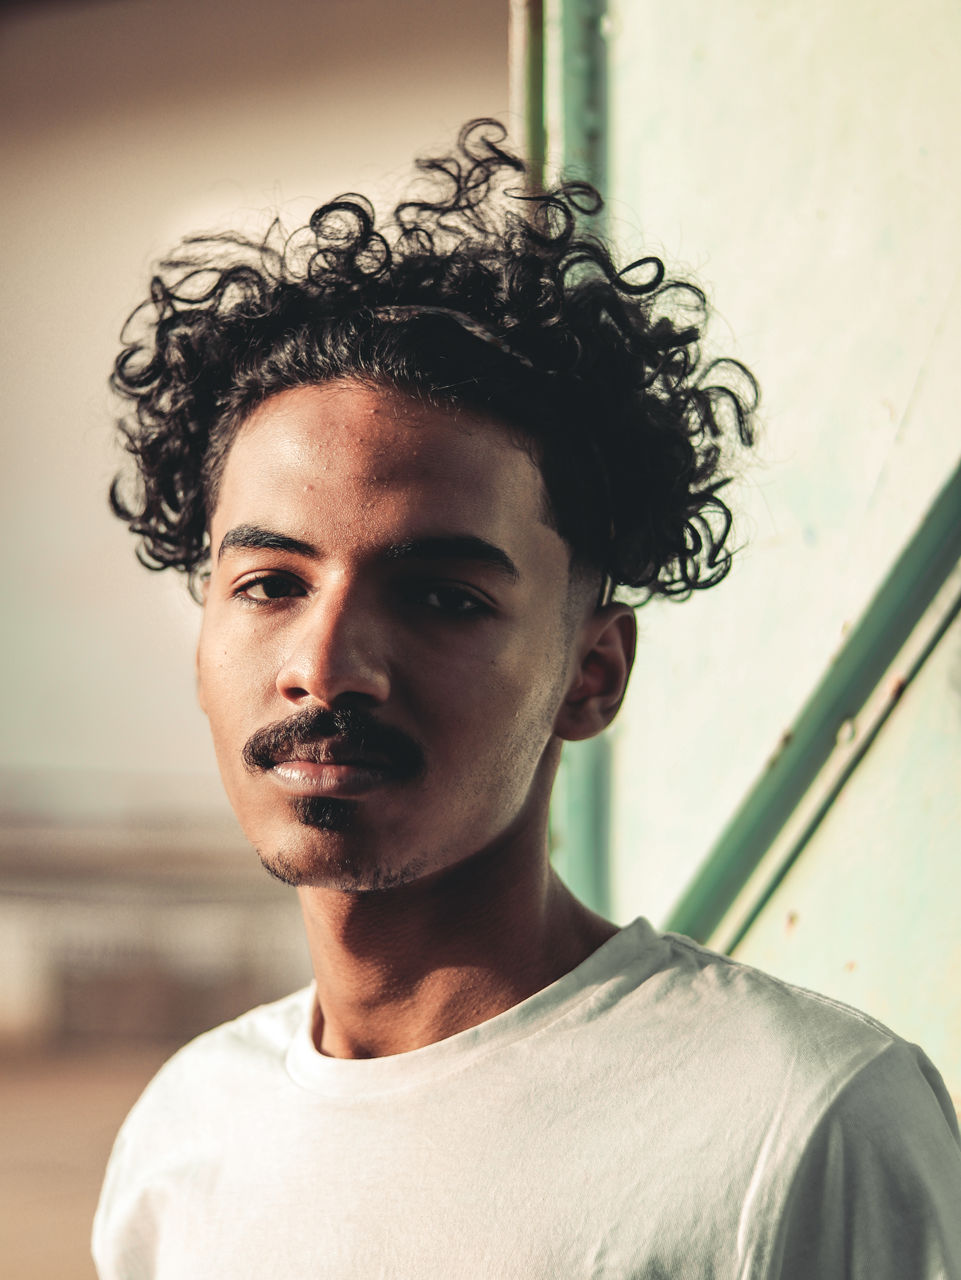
(386, 639)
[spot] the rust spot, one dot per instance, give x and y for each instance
(850, 966)
(791, 923)
(785, 740)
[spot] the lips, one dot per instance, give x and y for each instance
(329, 768)
(346, 779)
(343, 753)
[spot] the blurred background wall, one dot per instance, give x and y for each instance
(132, 913)
(128, 125)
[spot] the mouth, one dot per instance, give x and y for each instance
(346, 780)
(333, 755)
(327, 769)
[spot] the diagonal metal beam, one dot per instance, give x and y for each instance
(911, 584)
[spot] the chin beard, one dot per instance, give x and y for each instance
(336, 867)
(324, 814)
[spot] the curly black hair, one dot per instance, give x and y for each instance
(477, 293)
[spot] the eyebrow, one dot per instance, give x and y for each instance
(455, 547)
(253, 537)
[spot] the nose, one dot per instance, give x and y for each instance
(335, 652)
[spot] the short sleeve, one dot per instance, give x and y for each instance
(877, 1192)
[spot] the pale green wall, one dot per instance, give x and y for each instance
(869, 911)
(802, 160)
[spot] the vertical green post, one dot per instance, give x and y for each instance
(580, 832)
(580, 80)
(559, 88)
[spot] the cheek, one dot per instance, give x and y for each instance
(232, 683)
(500, 721)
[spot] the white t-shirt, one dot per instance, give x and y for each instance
(659, 1112)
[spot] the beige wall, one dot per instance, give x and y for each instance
(127, 124)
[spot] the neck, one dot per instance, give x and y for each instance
(400, 968)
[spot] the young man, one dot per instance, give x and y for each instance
(407, 470)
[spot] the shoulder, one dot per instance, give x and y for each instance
(251, 1044)
(178, 1121)
(787, 1029)
(761, 1047)
(855, 1141)
(244, 1055)
(848, 1143)
(881, 1170)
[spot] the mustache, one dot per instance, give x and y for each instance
(356, 734)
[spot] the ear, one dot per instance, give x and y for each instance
(605, 657)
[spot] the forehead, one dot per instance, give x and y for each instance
(347, 455)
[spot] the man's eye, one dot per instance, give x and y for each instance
(452, 601)
(272, 586)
